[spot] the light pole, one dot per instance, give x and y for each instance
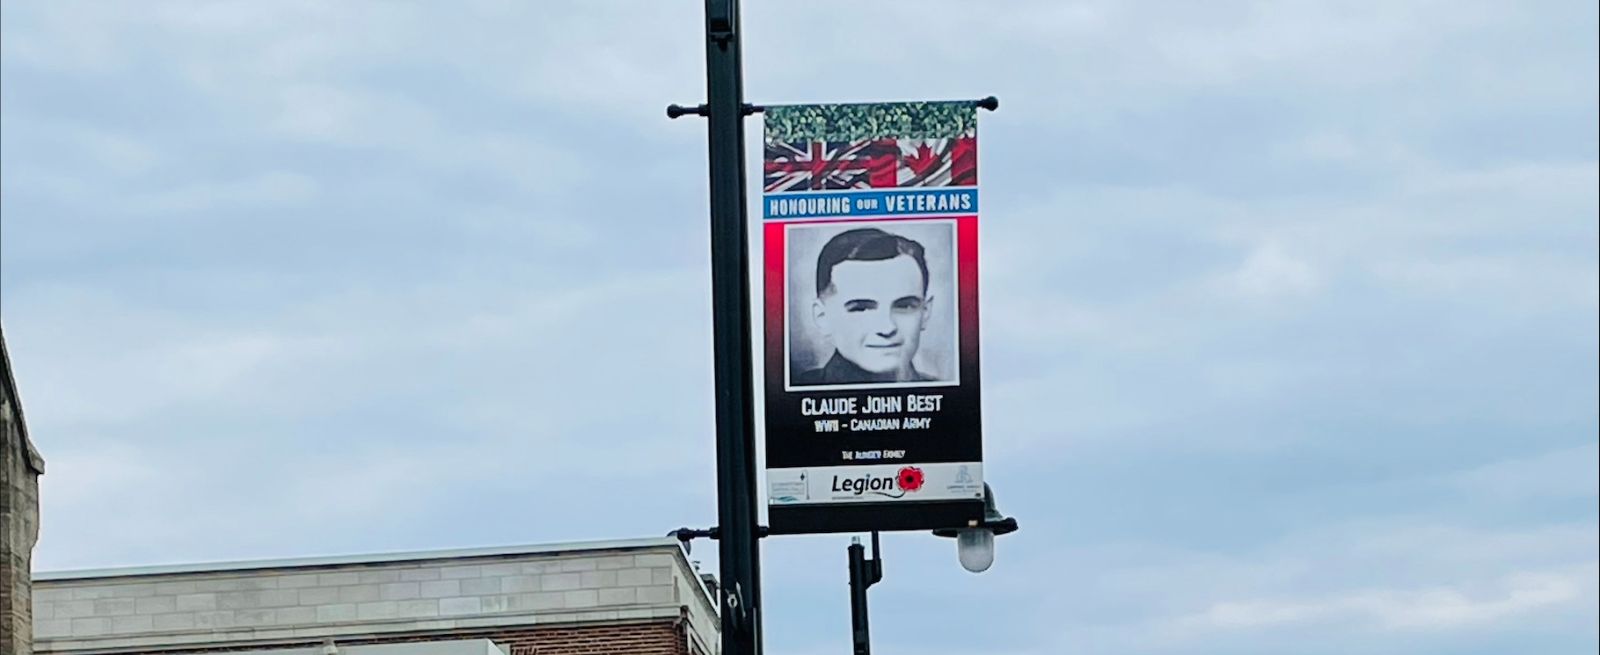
(863, 574)
(739, 556)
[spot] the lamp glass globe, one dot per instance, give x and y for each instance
(975, 549)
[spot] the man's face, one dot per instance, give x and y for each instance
(875, 313)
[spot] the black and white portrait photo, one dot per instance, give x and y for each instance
(871, 304)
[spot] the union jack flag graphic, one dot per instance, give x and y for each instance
(870, 164)
(818, 165)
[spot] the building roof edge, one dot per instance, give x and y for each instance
(345, 560)
(8, 389)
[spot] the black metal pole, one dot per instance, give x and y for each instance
(859, 635)
(863, 574)
(739, 557)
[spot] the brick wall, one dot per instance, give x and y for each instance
(654, 638)
(640, 639)
(666, 637)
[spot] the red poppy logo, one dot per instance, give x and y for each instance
(909, 478)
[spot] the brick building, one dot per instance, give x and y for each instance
(638, 597)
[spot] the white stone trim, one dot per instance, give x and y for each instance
(345, 560)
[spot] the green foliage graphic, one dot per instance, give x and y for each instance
(877, 120)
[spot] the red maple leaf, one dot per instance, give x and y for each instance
(922, 162)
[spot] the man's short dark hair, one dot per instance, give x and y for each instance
(868, 244)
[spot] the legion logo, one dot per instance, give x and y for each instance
(908, 480)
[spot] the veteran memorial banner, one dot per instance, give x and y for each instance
(870, 304)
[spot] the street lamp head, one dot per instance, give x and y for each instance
(975, 541)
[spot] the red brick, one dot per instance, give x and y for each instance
(655, 637)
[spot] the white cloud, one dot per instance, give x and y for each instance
(158, 364)
(1270, 272)
(101, 468)
(1568, 473)
(274, 189)
(1435, 608)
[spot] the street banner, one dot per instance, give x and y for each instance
(870, 298)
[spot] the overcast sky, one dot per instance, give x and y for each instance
(1289, 307)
